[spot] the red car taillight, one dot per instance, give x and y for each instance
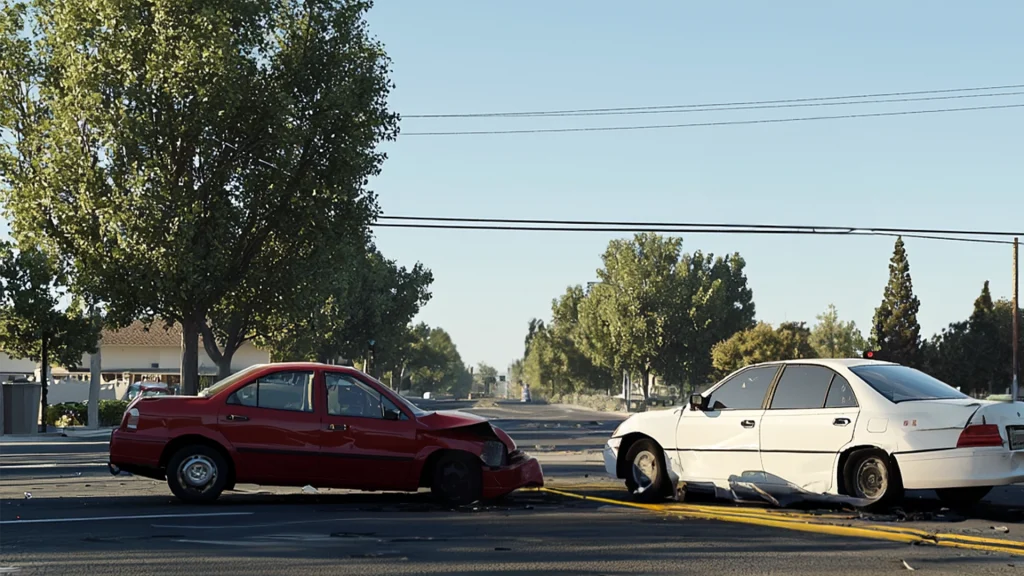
(131, 419)
(980, 435)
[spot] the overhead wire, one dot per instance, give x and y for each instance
(513, 225)
(718, 104)
(690, 109)
(709, 124)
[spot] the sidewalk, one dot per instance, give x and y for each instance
(59, 435)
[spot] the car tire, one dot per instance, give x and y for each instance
(646, 477)
(963, 497)
(871, 475)
(197, 473)
(457, 479)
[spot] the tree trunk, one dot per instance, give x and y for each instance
(224, 366)
(647, 385)
(44, 379)
(189, 357)
(95, 363)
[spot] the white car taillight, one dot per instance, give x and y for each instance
(133, 419)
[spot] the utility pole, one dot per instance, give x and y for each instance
(1015, 309)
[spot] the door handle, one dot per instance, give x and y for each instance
(337, 427)
(747, 423)
(840, 421)
(238, 418)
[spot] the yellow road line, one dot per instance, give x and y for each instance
(812, 523)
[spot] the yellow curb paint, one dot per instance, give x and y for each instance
(797, 522)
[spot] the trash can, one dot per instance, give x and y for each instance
(21, 407)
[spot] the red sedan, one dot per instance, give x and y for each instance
(305, 423)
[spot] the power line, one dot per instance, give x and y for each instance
(724, 108)
(695, 226)
(712, 105)
(796, 232)
(708, 124)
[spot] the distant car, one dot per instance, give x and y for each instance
(860, 428)
(147, 389)
(304, 423)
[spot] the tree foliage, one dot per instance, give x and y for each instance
(895, 331)
(657, 311)
(172, 152)
(434, 364)
(976, 354)
(791, 340)
(372, 298)
(833, 338)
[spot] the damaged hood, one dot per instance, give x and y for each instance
(450, 419)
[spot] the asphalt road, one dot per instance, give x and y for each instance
(81, 520)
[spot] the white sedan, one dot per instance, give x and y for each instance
(856, 429)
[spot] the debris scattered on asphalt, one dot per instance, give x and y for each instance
(28, 495)
(419, 539)
(907, 566)
(502, 549)
(307, 489)
(1002, 529)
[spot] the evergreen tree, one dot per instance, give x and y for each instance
(895, 331)
(833, 338)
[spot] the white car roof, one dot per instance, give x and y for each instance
(831, 362)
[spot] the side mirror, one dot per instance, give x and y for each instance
(392, 414)
(698, 402)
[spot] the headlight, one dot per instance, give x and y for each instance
(494, 453)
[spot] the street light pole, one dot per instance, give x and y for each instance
(1015, 310)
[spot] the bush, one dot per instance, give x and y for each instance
(111, 412)
(77, 413)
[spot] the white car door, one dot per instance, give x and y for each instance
(720, 444)
(810, 418)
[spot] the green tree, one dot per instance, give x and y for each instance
(434, 364)
(31, 324)
(895, 331)
(163, 149)
(833, 338)
(975, 354)
(657, 311)
(486, 376)
(790, 341)
(372, 298)
(515, 372)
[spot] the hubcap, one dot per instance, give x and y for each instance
(872, 479)
(197, 473)
(645, 469)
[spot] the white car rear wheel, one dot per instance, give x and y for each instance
(871, 476)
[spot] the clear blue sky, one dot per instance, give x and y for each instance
(960, 170)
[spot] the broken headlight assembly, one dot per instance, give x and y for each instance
(494, 454)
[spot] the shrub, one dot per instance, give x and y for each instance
(75, 412)
(111, 412)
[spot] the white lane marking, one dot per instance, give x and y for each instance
(216, 542)
(268, 525)
(136, 517)
(49, 465)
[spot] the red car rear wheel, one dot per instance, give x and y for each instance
(197, 473)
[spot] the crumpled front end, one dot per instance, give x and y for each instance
(521, 471)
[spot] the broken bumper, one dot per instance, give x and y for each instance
(961, 468)
(522, 471)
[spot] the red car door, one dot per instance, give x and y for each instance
(274, 426)
(366, 442)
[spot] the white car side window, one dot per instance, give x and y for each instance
(802, 387)
(744, 391)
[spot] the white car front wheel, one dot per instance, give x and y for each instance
(646, 477)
